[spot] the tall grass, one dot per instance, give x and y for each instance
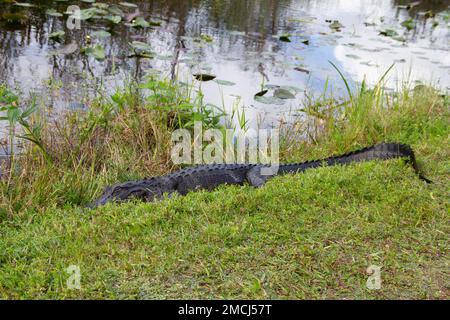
(128, 136)
(70, 158)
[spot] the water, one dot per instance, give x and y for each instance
(236, 40)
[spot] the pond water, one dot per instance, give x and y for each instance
(246, 44)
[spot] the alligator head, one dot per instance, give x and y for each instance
(146, 190)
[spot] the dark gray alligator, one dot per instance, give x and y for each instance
(210, 176)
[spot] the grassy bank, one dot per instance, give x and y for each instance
(310, 235)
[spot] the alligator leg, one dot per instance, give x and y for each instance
(256, 178)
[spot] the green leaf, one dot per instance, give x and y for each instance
(57, 35)
(269, 100)
(140, 22)
(409, 24)
(389, 33)
(336, 25)
(100, 34)
(24, 4)
(283, 94)
(128, 4)
(285, 38)
(98, 52)
(114, 19)
(204, 77)
(224, 82)
(53, 13)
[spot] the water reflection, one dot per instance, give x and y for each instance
(245, 48)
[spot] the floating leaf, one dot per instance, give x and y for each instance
(204, 77)
(140, 22)
(128, 5)
(261, 93)
(283, 94)
(100, 5)
(352, 56)
(300, 69)
(98, 52)
(56, 35)
(409, 24)
(270, 100)
(24, 4)
(291, 88)
(141, 46)
(53, 13)
(101, 34)
(285, 38)
(336, 25)
(116, 11)
(389, 33)
(429, 14)
(114, 19)
(224, 82)
(206, 38)
(412, 5)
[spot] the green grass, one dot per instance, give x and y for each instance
(310, 235)
(305, 236)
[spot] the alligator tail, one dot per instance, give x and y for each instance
(382, 151)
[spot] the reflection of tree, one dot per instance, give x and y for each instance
(255, 17)
(258, 20)
(434, 5)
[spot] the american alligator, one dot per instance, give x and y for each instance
(210, 176)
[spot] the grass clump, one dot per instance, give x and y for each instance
(310, 235)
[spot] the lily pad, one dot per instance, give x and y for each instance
(114, 19)
(283, 94)
(116, 11)
(409, 24)
(206, 38)
(101, 34)
(300, 69)
(261, 93)
(291, 89)
(389, 33)
(224, 82)
(204, 77)
(141, 46)
(53, 13)
(285, 38)
(128, 5)
(101, 5)
(352, 56)
(140, 22)
(56, 35)
(270, 100)
(336, 25)
(24, 4)
(98, 52)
